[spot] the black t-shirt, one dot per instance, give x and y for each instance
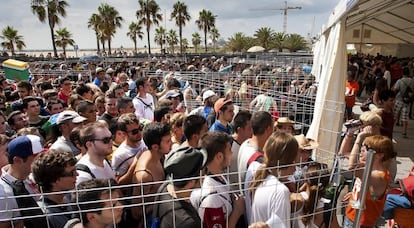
(185, 214)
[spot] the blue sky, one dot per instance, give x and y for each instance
(232, 16)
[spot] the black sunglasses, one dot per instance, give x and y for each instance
(105, 140)
(71, 173)
(136, 130)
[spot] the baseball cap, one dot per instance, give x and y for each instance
(110, 71)
(99, 69)
(207, 94)
(69, 115)
(24, 146)
(220, 103)
(172, 93)
(185, 162)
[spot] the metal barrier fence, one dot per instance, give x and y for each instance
(324, 197)
(293, 91)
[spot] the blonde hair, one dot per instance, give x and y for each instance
(176, 120)
(281, 149)
(371, 118)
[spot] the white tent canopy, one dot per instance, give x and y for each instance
(381, 26)
(381, 23)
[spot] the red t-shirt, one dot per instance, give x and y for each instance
(351, 88)
(63, 97)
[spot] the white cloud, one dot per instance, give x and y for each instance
(232, 16)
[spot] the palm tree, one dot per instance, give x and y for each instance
(181, 15)
(295, 42)
(278, 40)
(159, 37)
(50, 10)
(185, 45)
(214, 35)
(172, 39)
(94, 23)
(135, 31)
(12, 39)
(148, 15)
(206, 21)
(111, 20)
(196, 40)
(264, 37)
(63, 39)
(238, 42)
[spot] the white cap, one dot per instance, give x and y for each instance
(207, 94)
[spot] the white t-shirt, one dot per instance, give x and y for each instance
(124, 156)
(7, 200)
(105, 172)
(233, 168)
(270, 201)
(251, 171)
(145, 111)
(245, 152)
(212, 200)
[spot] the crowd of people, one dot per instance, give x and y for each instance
(142, 145)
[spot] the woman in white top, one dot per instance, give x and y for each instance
(270, 196)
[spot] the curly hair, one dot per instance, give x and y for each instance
(48, 167)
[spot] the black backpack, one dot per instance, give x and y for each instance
(408, 95)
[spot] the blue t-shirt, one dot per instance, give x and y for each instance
(97, 82)
(217, 126)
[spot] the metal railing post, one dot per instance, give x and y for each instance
(360, 203)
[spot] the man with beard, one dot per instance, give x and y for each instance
(123, 158)
(97, 139)
(149, 168)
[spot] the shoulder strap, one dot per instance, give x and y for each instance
(147, 105)
(85, 169)
(120, 164)
(257, 156)
(109, 163)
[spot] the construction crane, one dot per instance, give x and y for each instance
(285, 11)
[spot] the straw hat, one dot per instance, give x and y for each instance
(306, 144)
(284, 121)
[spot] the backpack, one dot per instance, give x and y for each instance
(408, 95)
(85, 168)
(257, 156)
(407, 186)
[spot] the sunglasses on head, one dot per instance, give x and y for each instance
(105, 140)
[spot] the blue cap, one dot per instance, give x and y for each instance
(24, 146)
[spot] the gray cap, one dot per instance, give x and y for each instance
(185, 162)
(69, 115)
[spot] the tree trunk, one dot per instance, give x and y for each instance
(53, 40)
(205, 38)
(103, 45)
(12, 49)
(148, 38)
(109, 46)
(135, 46)
(97, 42)
(64, 51)
(181, 38)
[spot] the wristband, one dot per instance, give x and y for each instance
(305, 195)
